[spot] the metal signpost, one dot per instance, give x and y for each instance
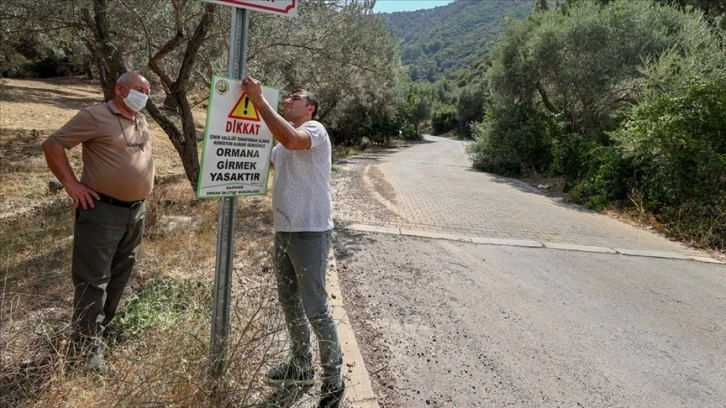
(228, 205)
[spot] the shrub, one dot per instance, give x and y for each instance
(470, 109)
(444, 119)
(571, 155)
(512, 139)
(677, 144)
(606, 179)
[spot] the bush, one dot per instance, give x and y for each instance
(677, 144)
(513, 139)
(571, 155)
(362, 126)
(409, 132)
(445, 119)
(470, 109)
(606, 179)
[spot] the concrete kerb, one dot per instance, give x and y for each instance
(581, 248)
(358, 391)
(528, 243)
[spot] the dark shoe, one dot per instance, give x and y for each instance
(95, 358)
(290, 373)
(332, 396)
(113, 335)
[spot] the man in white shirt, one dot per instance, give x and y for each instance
(303, 221)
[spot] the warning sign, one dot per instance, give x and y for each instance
(280, 7)
(244, 109)
(237, 142)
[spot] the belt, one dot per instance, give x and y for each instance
(110, 200)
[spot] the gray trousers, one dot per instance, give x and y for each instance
(106, 243)
(301, 259)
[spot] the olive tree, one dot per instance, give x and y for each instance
(162, 39)
(339, 50)
(36, 39)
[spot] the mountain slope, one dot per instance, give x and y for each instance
(438, 41)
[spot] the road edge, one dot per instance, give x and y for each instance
(359, 391)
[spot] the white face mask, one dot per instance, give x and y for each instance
(136, 100)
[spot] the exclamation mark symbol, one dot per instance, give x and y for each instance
(247, 101)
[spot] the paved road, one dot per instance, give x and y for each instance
(430, 188)
(466, 289)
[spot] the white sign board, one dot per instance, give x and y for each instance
(283, 7)
(237, 142)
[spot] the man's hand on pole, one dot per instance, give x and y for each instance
(253, 88)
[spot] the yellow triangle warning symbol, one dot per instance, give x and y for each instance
(244, 109)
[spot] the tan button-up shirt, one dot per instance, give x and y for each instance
(116, 151)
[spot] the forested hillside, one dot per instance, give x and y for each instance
(441, 40)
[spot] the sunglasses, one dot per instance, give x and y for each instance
(296, 97)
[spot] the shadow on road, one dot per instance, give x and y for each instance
(556, 198)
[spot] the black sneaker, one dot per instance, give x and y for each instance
(113, 335)
(95, 359)
(332, 396)
(289, 373)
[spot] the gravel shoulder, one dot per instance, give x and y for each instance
(451, 324)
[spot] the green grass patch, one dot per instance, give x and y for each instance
(163, 304)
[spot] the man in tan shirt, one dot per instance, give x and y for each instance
(117, 176)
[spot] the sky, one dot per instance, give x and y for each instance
(390, 6)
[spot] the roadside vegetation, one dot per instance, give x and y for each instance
(609, 102)
(612, 103)
(620, 101)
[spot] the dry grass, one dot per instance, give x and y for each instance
(163, 359)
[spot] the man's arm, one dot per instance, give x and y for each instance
(282, 130)
(55, 156)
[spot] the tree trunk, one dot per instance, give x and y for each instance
(184, 140)
(107, 59)
(187, 150)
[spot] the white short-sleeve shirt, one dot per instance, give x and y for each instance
(301, 196)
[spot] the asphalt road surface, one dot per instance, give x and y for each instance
(470, 290)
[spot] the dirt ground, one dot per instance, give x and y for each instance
(36, 233)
